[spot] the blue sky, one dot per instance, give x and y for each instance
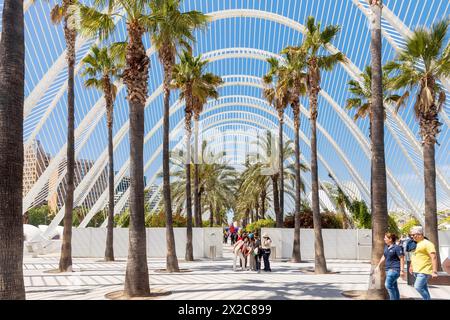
(45, 43)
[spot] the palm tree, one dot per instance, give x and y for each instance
(278, 96)
(135, 76)
(205, 88)
(62, 13)
(12, 82)
(362, 102)
(170, 30)
(378, 166)
(103, 66)
(315, 40)
(294, 80)
(183, 74)
(420, 65)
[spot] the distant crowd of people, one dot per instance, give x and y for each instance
(249, 249)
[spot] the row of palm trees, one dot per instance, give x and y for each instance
(419, 66)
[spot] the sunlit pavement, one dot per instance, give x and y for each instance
(207, 279)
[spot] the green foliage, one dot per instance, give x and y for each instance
(158, 220)
(98, 219)
(361, 214)
(406, 228)
(329, 220)
(38, 215)
(393, 227)
(122, 220)
(257, 225)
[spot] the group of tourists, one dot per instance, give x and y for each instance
(423, 261)
(249, 249)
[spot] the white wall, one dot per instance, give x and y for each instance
(352, 244)
(90, 242)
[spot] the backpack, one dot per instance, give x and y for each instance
(411, 246)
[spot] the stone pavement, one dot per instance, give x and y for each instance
(207, 279)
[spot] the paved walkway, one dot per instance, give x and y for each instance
(208, 279)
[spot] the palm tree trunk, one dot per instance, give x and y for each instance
(168, 60)
(218, 217)
(198, 219)
(379, 195)
(431, 230)
(280, 217)
(256, 208)
(296, 256)
(12, 78)
(189, 256)
(109, 251)
(276, 201)
(65, 261)
(136, 78)
(263, 204)
(211, 215)
(319, 257)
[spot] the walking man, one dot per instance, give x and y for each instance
(423, 262)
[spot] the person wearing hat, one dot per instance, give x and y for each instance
(265, 249)
(423, 262)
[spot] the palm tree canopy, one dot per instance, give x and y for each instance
(317, 39)
(104, 62)
(421, 63)
(362, 93)
(191, 73)
(172, 28)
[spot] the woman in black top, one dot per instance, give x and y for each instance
(394, 258)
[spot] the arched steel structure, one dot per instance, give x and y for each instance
(280, 23)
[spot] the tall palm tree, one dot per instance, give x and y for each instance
(135, 76)
(277, 95)
(171, 29)
(186, 77)
(12, 83)
(427, 47)
(103, 66)
(362, 102)
(62, 13)
(378, 165)
(294, 81)
(315, 40)
(183, 76)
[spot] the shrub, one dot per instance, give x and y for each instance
(158, 220)
(38, 215)
(406, 228)
(255, 227)
(329, 220)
